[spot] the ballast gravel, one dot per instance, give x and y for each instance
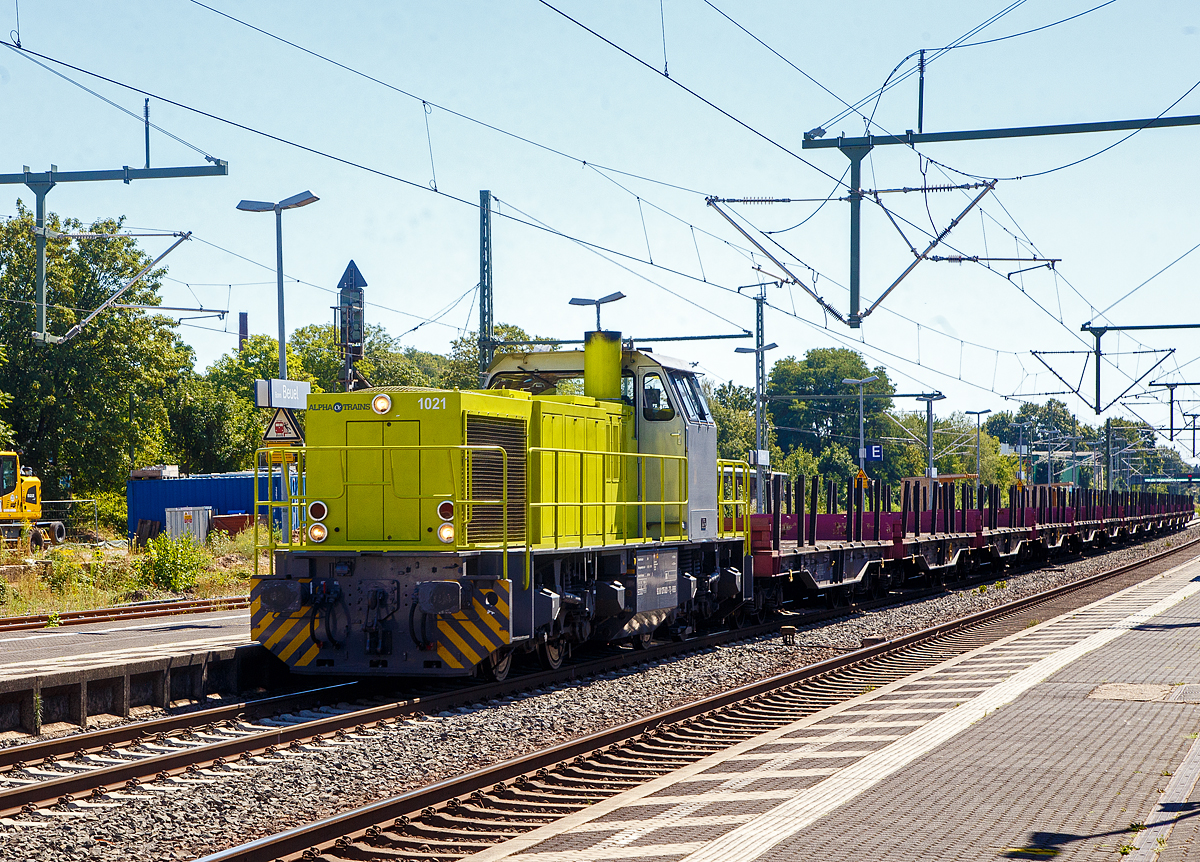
(195, 817)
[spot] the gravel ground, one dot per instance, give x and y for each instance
(188, 820)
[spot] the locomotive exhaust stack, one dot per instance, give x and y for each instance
(602, 365)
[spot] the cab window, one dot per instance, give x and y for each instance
(628, 384)
(656, 406)
(8, 474)
(688, 392)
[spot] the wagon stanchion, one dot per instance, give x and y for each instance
(812, 511)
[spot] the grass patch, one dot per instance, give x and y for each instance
(77, 577)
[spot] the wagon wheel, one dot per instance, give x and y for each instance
(878, 588)
(837, 597)
(758, 615)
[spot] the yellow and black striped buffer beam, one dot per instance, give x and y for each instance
(483, 626)
(285, 634)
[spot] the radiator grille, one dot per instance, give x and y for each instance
(485, 481)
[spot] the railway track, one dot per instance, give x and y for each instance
(139, 611)
(64, 769)
(87, 766)
(452, 819)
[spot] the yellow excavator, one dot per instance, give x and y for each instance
(21, 505)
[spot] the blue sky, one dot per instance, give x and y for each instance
(1113, 220)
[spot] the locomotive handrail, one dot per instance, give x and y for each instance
(738, 472)
(296, 505)
(584, 505)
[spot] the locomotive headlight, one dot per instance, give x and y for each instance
(445, 510)
(381, 403)
(317, 511)
(318, 532)
(446, 533)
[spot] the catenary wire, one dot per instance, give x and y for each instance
(482, 123)
(763, 135)
(363, 167)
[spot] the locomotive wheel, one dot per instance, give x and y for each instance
(496, 666)
(641, 642)
(551, 654)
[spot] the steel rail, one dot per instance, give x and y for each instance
(355, 823)
(93, 741)
(70, 786)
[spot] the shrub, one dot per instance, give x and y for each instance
(64, 572)
(113, 511)
(171, 564)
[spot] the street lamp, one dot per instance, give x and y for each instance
(862, 446)
(612, 297)
(978, 414)
(760, 435)
(301, 200)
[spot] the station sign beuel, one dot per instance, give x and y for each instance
(290, 394)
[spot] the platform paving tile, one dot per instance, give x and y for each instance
(1024, 766)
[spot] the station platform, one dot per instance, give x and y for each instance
(77, 647)
(1077, 738)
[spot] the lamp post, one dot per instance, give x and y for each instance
(760, 430)
(978, 414)
(301, 200)
(612, 297)
(862, 445)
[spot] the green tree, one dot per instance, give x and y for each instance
(817, 423)
(212, 429)
(836, 463)
(392, 365)
(6, 435)
(733, 413)
(257, 360)
(82, 405)
(316, 346)
(462, 367)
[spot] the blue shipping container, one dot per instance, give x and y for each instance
(226, 493)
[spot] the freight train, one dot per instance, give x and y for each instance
(578, 497)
